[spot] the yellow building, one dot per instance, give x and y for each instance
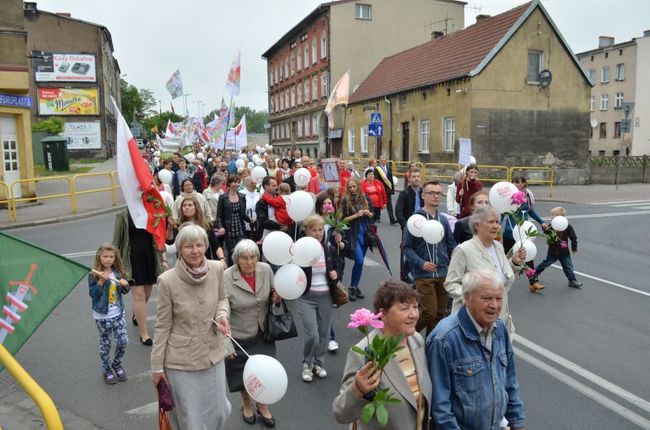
(15, 102)
(510, 83)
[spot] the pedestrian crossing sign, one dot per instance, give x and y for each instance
(375, 118)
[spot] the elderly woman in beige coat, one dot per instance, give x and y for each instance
(406, 374)
(189, 344)
(483, 252)
(248, 284)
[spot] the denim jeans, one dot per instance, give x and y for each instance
(359, 255)
(565, 261)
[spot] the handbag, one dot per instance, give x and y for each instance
(279, 326)
(339, 294)
(165, 399)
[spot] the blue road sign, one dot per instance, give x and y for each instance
(376, 130)
(375, 118)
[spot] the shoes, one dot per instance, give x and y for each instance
(109, 378)
(306, 373)
(393, 222)
(332, 346)
(319, 371)
(248, 420)
(268, 422)
(536, 287)
(147, 341)
(575, 284)
(358, 293)
(134, 321)
(121, 374)
(352, 294)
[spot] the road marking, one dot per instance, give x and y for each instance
(148, 409)
(621, 202)
(573, 367)
(582, 388)
(627, 205)
(605, 281)
(79, 254)
(604, 215)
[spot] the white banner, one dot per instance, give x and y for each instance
(56, 67)
(83, 135)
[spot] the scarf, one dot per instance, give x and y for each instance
(197, 273)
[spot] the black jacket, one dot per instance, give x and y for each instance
(405, 205)
(462, 230)
(292, 183)
(330, 264)
(224, 211)
(390, 187)
(556, 249)
(264, 223)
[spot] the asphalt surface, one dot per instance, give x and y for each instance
(582, 355)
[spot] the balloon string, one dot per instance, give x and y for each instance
(235, 342)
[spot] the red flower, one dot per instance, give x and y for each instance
(518, 198)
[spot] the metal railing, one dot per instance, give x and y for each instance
(493, 174)
(440, 171)
(534, 181)
(111, 188)
(68, 179)
(7, 200)
(401, 167)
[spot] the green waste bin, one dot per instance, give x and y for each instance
(55, 153)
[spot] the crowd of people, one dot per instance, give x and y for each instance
(456, 368)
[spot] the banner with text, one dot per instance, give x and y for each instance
(57, 67)
(65, 101)
(83, 135)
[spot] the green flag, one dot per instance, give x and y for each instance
(33, 282)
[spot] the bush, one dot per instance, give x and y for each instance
(52, 125)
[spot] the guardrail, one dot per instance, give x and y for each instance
(533, 181)
(440, 171)
(401, 167)
(492, 173)
(8, 201)
(68, 179)
(111, 188)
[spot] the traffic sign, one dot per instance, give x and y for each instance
(375, 118)
(376, 130)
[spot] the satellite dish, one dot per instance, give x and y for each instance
(594, 123)
(545, 78)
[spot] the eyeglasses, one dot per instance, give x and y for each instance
(433, 193)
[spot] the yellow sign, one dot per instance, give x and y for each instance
(66, 101)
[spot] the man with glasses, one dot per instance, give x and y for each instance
(429, 262)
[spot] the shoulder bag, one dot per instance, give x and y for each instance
(279, 324)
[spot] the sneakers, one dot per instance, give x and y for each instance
(319, 371)
(536, 287)
(109, 378)
(358, 293)
(120, 373)
(332, 346)
(306, 373)
(575, 284)
(352, 294)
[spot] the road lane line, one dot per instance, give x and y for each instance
(573, 367)
(620, 202)
(582, 388)
(604, 215)
(148, 409)
(78, 254)
(628, 205)
(605, 281)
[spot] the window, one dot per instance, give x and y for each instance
(287, 131)
(592, 76)
(306, 55)
(286, 68)
(601, 152)
(534, 66)
(620, 72)
(299, 91)
(307, 90)
(603, 130)
(363, 132)
(314, 88)
(592, 103)
(616, 152)
(618, 101)
(299, 127)
(281, 102)
(314, 126)
(617, 129)
(604, 74)
(272, 102)
(293, 96)
(604, 102)
(363, 11)
(299, 60)
(425, 135)
(323, 84)
(275, 73)
(307, 126)
(286, 99)
(351, 140)
(323, 45)
(314, 53)
(448, 134)
(293, 64)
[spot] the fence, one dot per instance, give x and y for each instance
(8, 201)
(440, 171)
(602, 170)
(546, 176)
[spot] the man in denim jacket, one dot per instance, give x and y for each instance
(471, 363)
(429, 262)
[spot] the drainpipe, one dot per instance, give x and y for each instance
(390, 128)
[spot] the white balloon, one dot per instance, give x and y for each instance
(243, 157)
(278, 248)
(258, 162)
(267, 146)
(472, 160)
(156, 153)
(270, 146)
(531, 249)
(257, 148)
(302, 177)
(559, 223)
(171, 249)
(165, 176)
(190, 157)
(262, 150)
(251, 164)
(501, 196)
(520, 233)
(395, 181)
(306, 250)
(258, 173)
(240, 164)
(265, 379)
(415, 223)
(433, 231)
(290, 281)
(167, 198)
(300, 204)
(156, 160)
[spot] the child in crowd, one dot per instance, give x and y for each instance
(284, 189)
(280, 204)
(106, 285)
(559, 250)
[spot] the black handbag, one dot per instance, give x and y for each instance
(279, 326)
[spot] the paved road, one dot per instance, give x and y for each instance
(582, 354)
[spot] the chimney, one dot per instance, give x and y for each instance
(435, 35)
(605, 41)
(646, 33)
(482, 17)
(66, 14)
(30, 6)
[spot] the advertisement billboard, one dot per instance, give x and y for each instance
(68, 101)
(57, 67)
(83, 135)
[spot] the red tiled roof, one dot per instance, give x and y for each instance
(452, 56)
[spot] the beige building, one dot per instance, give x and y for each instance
(618, 72)
(339, 36)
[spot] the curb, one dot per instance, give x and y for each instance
(65, 218)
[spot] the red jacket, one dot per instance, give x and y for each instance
(376, 192)
(280, 205)
(469, 188)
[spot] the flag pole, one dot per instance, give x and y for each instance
(228, 126)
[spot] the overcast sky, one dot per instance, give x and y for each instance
(154, 38)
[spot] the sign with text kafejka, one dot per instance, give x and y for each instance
(15, 101)
(57, 67)
(68, 101)
(83, 135)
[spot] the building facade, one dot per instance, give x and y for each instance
(618, 73)
(483, 83)
(336, 37)
(73, 74)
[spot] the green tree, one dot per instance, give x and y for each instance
(159, 121)
(136, 103)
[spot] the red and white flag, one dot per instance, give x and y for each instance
(146, 206)
(170, 131)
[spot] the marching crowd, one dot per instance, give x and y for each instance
(461, 375)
